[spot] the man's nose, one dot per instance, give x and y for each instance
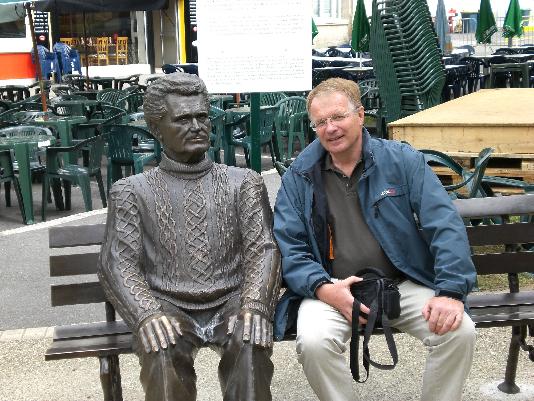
(194, 124)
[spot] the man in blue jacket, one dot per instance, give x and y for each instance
(350, 201)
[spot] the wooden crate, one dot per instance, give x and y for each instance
(497, 118)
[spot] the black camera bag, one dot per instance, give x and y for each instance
(381, 295)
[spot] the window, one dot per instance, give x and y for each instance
(16, 28)
(327, 9)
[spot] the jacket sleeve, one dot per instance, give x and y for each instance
(261, 258)
(443, 229)
(120, 270)
(301, 267)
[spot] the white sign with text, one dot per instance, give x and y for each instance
(254, 46)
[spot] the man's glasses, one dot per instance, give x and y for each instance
(336, 118)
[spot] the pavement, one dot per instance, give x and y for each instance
(27, 321)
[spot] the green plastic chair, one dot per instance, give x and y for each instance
(75, 174)
(242, 138)
(290, 123)
(114, 97)
(121, 151)
(217, 119)
(471, 180)
(132, 101)
(271, 98)
(7, 176)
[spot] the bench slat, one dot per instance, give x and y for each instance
(497, 234)
(74, 294)
(503, 316)
(87, 347)
(84, 330)
(505, 205)
(494, 300)
(507, 262)
(72, 265)
(82, 235)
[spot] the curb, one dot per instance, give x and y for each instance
(34, 333)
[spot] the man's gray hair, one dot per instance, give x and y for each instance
(178, 83)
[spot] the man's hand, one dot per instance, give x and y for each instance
(256, 328)
(157, 331)
(443, 314)
(338, 296)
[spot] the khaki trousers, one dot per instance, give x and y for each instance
(323, 334)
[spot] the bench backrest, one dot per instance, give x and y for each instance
(86, 290)
(511, 258)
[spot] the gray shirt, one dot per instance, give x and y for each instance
(354, 246)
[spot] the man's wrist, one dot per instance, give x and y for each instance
(450, 294)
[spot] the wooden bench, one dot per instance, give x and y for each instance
(107, 340)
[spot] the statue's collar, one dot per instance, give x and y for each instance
(185, 170)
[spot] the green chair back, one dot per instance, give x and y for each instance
(114, 97)
(121, 151)
(73, 173)
(290, 123)
(7, 176)
(217, 119)
(271, 98)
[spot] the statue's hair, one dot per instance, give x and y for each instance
(178, 83)
(337, 85)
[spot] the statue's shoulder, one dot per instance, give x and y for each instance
(239, 175)
(128, 185)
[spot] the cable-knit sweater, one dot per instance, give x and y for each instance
(194, 235)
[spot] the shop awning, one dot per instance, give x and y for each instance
(78, 6)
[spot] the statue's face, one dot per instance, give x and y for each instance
(184, 130)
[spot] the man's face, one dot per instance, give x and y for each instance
(339, 127)
(184, 130)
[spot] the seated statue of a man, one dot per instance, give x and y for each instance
(189, 258)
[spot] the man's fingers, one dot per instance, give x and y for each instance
(247, 321)
(231, 324)
(176, 325)
(426, 311)
(351, 280)
(143, 335)
(257, 329)
(264, 332)
(168, 329)
(151, 336)
(160, 335)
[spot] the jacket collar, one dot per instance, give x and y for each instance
(315, 152)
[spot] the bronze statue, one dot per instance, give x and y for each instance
(189, 258)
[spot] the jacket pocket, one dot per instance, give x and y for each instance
(394, 193)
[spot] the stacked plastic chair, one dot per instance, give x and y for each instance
(406, 57)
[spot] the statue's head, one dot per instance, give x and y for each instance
(176, 108)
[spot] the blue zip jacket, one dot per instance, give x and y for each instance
(405, 206)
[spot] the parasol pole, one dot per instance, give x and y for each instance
(86, 55)
(36, 58)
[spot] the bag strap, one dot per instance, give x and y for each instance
(369, 327)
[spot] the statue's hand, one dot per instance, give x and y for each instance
(157, 331)
(257, 329)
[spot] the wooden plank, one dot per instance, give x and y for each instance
(501, 263)
(496, 206)
(467, 139)
(74, 294)
(506, 318)
(496, 234)
(88, 347)
(476, 300)
(82, 235)
(85, 330)
(488, 107)
(71, 265)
